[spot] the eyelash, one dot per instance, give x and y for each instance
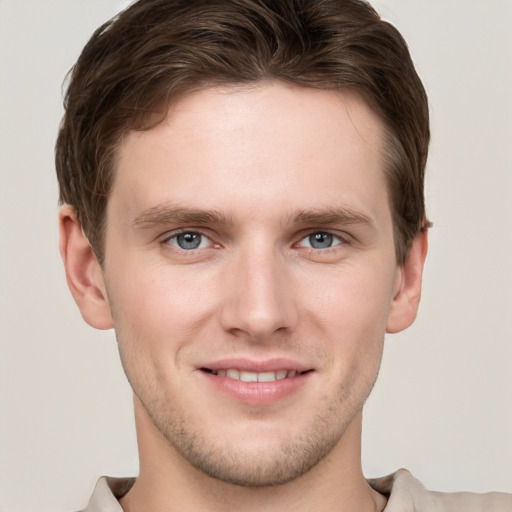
(175, 234)
(342, 240)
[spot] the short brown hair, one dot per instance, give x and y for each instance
(157, 50)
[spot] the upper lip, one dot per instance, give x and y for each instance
(251, 365)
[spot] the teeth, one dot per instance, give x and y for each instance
(233, 373)
(248, 376)
(267, 376)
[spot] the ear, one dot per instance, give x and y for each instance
(407, 293)
(83, 272)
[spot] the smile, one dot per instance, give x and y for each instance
(247, 376)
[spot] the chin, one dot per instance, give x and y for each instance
(266, 467)
(262, 457)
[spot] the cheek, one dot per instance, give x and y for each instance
(350, 310)
(159, 296)
(158, 313)
(351, 298)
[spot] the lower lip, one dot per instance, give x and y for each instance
(257, 393)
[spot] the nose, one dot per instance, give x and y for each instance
(258, 298)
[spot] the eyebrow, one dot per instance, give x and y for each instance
(165, 214)
(343, 215)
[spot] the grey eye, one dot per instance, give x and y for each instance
(321, 240)
(189, 241)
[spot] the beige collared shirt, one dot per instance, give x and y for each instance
(405, 494)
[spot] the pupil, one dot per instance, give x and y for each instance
(321, 240)
(189, 241)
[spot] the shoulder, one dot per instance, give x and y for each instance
(406, 493)
(106, 494)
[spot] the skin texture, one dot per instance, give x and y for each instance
(255, 174)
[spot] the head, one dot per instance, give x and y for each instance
(249, 175)
(136, 65)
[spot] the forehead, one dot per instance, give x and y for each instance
(249, 147)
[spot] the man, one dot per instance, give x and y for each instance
(243, 202)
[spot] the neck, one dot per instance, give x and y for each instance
(168, 482)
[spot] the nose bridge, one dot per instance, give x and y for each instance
(258, 296)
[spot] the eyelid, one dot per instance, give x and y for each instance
(343, 237)
(176, 232)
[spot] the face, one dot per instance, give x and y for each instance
(250, 272)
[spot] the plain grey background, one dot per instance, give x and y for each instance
(442, 404)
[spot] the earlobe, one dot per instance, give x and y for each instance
(83, 272)
(404, 306)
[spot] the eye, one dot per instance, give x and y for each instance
(189, 241)
(320, 240)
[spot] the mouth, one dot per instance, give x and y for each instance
(257, 383)
(249, 376)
